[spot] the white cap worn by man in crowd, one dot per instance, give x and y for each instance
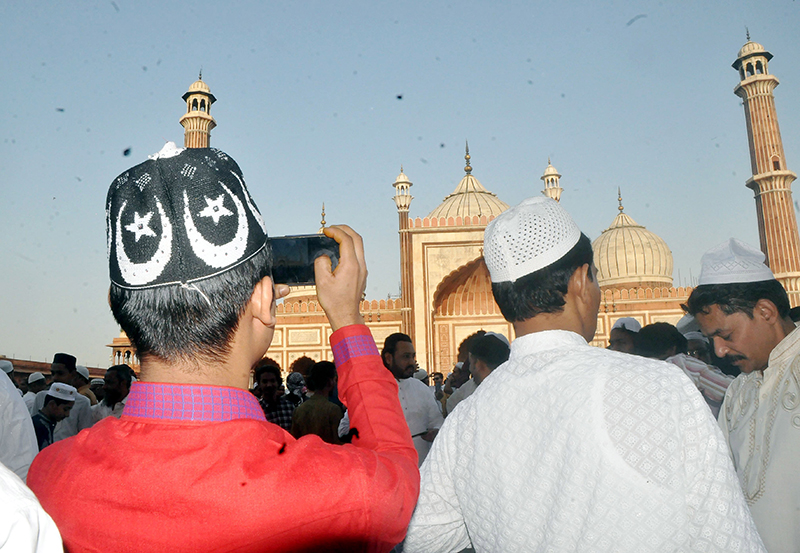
(36, 383)
(569, 447)
(623, 335)
(744, 310)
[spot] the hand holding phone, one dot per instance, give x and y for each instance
(340, 290)
(293, 257)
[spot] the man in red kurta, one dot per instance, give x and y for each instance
(192, 464)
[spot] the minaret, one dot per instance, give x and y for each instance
(322, 221)
(771, 181)
(551, 188)
(197, 120)
(402, 199)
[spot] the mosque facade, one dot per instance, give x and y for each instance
(445, 285)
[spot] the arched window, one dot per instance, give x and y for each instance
(759, 68)
(776, 163)
(194, 104)
(202, 105)
(749, 70)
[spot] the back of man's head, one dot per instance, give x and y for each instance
(123, 372)
(532, 251)
(186, 247)
(660, 340)
(490, 349)
(320, 375)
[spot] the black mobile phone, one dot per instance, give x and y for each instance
(293, 257)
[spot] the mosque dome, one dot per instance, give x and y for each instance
(469, 198)
(627, 255)
(751, 48)
(402, 177)
(550, 171)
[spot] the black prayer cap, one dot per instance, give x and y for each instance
(181, 216)
(65, 359)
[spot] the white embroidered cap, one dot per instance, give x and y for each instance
(6, 365)
(97, 382)
(83, 371)
(694, 335)
(528, 237)
(627, 323)
(733, 262)
(35, 377)
(62, 391)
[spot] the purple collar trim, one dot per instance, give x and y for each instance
(185, 402)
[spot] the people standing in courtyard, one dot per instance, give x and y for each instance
(192, 464)
(744, 310)
(568, 447)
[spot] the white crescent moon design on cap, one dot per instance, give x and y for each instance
(259, 219)
(213, 255)
(138, 274)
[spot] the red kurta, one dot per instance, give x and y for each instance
(198, 468)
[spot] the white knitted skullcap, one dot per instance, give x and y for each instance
(6, 365)
(499, 337)
(627, 323)
(694, 335)
(35, 377)
(733, 262)
(62, 391)
(687, 324)
(528, 237)
(83, 371)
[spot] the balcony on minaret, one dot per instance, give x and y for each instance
(197, 120)
(402, 195)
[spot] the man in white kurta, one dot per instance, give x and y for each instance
(417, 400)
(18, 444)
(760, 415)
(24, 526)
(567, 447)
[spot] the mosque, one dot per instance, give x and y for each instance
(445, 286)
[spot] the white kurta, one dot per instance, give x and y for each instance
(761, 420)
(466, 390)
(567, 447)
(24, 526)
(421, 412)
(101, 410)
(18, 444)
(80, 417)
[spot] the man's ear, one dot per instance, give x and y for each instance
(262, 300)
(387, 359)
(580, 283)
(766, 310)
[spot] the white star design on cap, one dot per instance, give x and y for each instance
(141, 226)
(215, 209)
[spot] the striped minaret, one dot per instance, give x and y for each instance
(771, 181)
(197, 120)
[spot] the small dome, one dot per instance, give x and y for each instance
(751, 48)
(199, 86)
(550, 171)
(401, 177)
(627, 255)
(468, 199)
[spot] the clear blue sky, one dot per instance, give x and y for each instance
(631, 94)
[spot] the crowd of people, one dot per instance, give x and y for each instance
(545, 443)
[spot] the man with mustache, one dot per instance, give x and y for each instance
(744, 310)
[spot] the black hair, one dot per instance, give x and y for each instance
(739, 297)
(491, 350)
(173, 323)
(48, 398)
(655, 340)
(124, 373)
(542, 291)
(267, 365)
(463, 347)
(320, 374)
(390, 344)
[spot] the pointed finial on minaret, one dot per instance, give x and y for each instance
(401, 167)
(468, 168)
(619, 198)
(200, 77)
(748, 33)
(322, 222)
(548, 160)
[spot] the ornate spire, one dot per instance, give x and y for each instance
(200, 77)
(619, 199)
(322, 222)
(748, 33)
(468, 168)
